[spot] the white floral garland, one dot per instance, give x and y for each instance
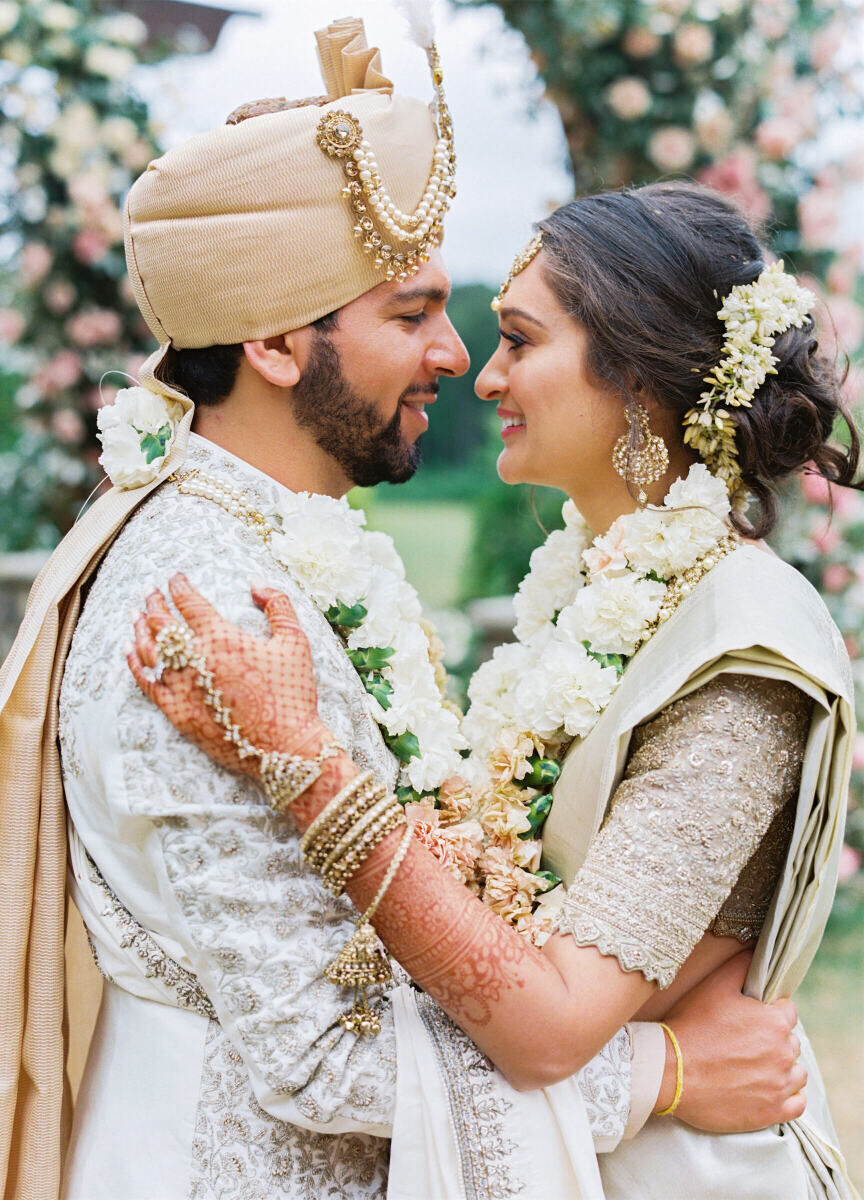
(357, 579)
(582, 612)
(137, 432)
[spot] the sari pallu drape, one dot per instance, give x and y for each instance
(34, 1101)
(753, 614)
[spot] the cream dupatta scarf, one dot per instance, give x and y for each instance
(753, 614)
(34, 1101)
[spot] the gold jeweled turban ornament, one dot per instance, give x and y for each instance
(245, 232)
(398, 242)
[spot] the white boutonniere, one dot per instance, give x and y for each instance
(137, 433)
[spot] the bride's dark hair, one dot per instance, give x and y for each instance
(644, 270)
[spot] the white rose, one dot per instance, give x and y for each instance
(702, 489)
(381, 549)
(317, 551)
(124, 28)
(552, 582)
(567, 691)
(612, 613)
(9, 14)
(662, 542)
(111, 61)
(388, 602)
(59, 18)
(137, 433)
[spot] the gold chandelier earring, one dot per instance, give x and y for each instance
(645, 463)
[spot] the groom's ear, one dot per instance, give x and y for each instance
(278, 359)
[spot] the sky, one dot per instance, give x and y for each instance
(510, 147)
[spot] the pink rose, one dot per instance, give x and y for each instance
(629, 98)
(90, 247)
(836, 577)
(735, 176)
(672, 148)
(842, 276)
(692, 44)
(851, 644)
(825, 538)
(827, 43)
(67, 426)
(98, 327)
(777, 137)
(817, 218)
(60, 372)
(12, 325)
(640, 42)
(36, 261)
(850, 863)
(59, 296)
(714, 130)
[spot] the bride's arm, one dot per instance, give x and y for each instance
(540, 1016)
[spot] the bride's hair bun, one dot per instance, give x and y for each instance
(645, 271)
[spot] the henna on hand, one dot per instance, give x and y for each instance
(267, 684)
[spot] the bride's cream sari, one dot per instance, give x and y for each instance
(753, 614)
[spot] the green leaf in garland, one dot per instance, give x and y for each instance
(543, 774)
(618, 661)
(371, 658)
(538, 811)
(407, 795)
(550, 879)
(154, 444)
(406, 746)
(377, 686)
(347, 617)
(655, 577)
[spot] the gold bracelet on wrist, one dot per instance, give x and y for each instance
(352, 834)
(344, 869)
(679, 1073)
(335, 821)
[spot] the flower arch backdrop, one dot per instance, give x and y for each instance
(750, 98)
(73, 136)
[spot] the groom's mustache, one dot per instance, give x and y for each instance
(421, 389)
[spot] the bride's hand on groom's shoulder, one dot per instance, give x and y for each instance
(741, 1069)
(266, 684)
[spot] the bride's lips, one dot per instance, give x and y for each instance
(514, 422)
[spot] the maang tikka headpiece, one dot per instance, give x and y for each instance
(520, 262)
(399, 242)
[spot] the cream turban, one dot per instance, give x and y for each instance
(247, 231)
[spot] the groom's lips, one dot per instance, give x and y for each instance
(417, 399)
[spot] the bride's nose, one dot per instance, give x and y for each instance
(490, 383)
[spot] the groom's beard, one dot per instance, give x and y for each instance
(347, 427)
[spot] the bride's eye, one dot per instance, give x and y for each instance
(514, 338)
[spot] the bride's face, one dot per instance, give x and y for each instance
(558, 425)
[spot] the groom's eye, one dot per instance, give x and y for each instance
(413, 318)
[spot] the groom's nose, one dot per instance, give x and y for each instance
(447, 354)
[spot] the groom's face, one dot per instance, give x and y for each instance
(368, 381)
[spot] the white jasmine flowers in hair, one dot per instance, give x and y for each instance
(137, 432)
(755, 314)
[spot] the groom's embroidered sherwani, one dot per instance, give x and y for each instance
(219, 1068)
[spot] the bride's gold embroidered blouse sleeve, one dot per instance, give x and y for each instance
(696, 833)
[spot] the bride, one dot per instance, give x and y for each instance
(676, 708)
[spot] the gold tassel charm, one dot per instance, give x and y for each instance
(364, 960)
(360, 964)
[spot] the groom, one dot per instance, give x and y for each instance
(218, 1041)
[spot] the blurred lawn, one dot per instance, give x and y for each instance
(433, 539)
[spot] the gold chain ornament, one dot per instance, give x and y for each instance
(398, 242)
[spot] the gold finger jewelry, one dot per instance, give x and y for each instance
(283, 777)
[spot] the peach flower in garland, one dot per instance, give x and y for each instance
(508, 890)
